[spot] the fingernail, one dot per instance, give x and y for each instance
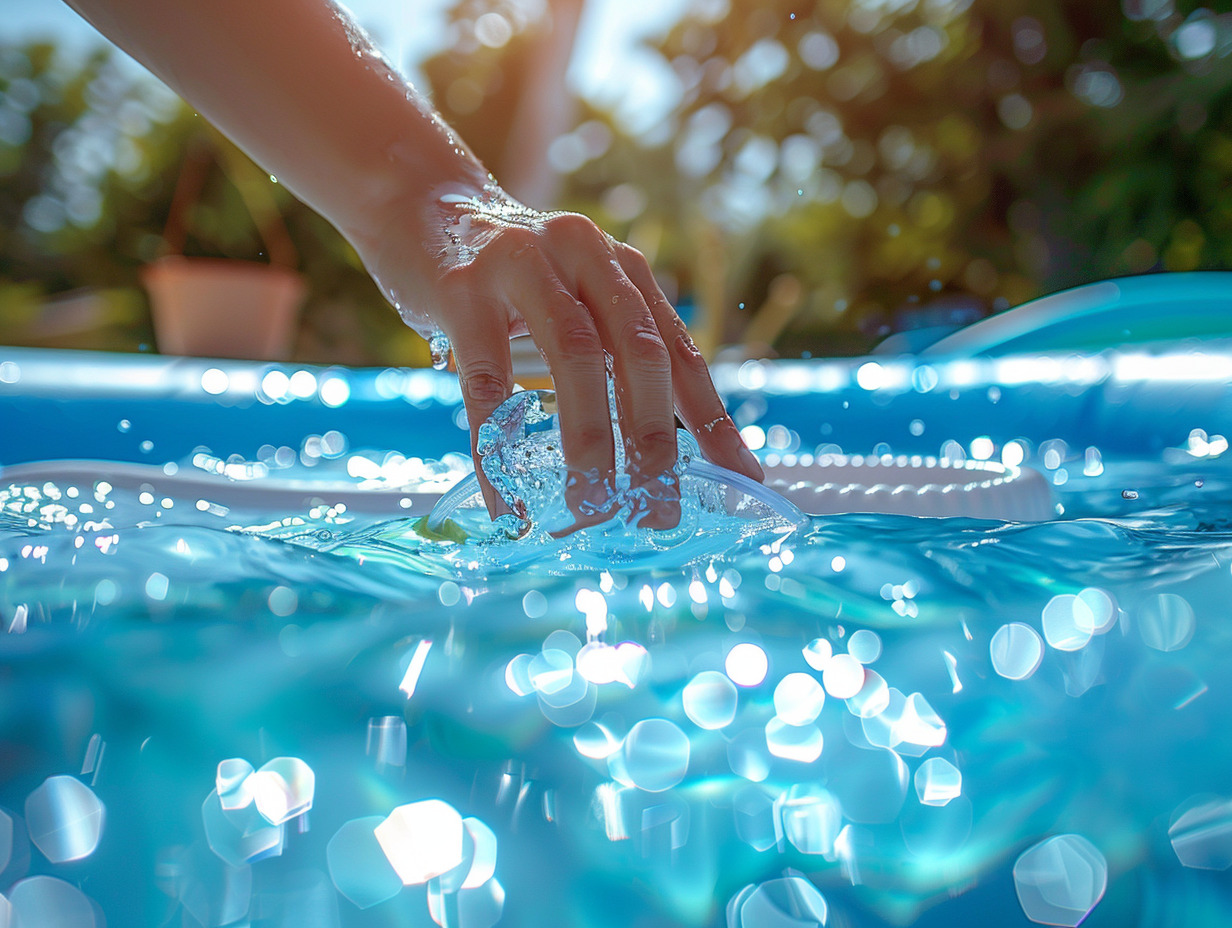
(752, 467)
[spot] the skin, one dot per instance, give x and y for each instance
(302, 91)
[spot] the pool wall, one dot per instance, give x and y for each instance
(69, 404)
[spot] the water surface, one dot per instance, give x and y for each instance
(871, 720)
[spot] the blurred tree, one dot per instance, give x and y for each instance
(500, 81)
(822, 174)
(54, 149)
(833, 171)
(90, 153)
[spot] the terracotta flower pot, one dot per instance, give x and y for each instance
(220, 308)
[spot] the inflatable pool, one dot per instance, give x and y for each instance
(962, 661)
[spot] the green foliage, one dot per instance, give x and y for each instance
(889, 155)
(824, 173)
(90, 155)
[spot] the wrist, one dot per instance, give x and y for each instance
(412, 236)
(407, 183)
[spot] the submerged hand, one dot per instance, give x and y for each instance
(490, 269)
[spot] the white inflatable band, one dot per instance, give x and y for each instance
(827, 485)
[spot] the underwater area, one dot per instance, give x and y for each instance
(244, 681)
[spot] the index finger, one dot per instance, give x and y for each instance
(485, 373)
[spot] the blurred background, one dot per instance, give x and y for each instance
(807, 178)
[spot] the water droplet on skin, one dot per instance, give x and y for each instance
(439, 347)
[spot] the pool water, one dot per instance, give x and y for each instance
(279, 710)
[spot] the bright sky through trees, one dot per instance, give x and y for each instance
(607, 67)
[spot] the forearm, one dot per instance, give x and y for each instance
(299, 88)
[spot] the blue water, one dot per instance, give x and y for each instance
(676, 739)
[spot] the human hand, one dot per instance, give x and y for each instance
(301, 89)
(481, 268)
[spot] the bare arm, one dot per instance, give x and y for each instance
(302, 90)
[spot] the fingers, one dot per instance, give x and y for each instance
(584, 297)
(566, 334)
(642, 373)
(485, 373)
(641, 366)
(696, 399)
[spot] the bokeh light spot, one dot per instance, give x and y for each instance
(864, 645)
(746, 664)
(710, 700)
(1060, 880)
(786, 902)
(802, 743)
(843, 676)
(655, 754)
(798, 699)
(937, 781)
(47, 902)
(1016, 650)
(817, 653)
(358, 866)
(1201, 833)
(422, 840)
(1166, 622)
(64, 819)
(1068, 622)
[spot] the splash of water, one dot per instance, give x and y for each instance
(605, 514)
(473, 220)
